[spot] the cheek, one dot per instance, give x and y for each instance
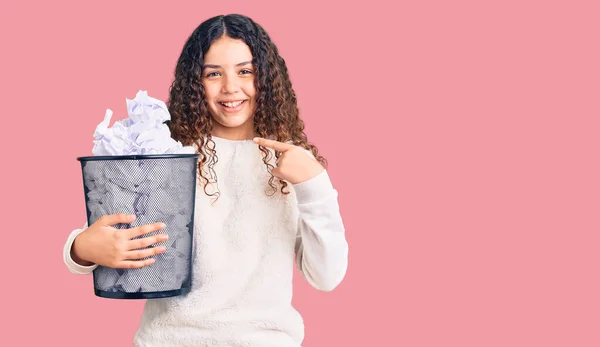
(250, 90)
(211, 92)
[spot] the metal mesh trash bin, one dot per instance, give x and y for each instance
(156, 188)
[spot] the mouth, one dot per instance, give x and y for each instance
(232, 104)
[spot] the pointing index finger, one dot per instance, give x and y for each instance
(276, 145)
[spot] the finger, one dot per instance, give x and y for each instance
(276, 145)
(143, 253)
(134, 264)
(146, 241)
(118, 218)
(144, 229)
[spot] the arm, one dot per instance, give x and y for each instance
(68, 256)
(321, 246)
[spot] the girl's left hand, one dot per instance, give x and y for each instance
(294, 165)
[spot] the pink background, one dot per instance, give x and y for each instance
(462, 137)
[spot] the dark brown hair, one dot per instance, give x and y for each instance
(276, 116)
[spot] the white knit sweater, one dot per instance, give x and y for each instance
(244, 247)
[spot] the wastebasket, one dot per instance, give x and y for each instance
(156, 188)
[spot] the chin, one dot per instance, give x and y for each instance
(233, 121)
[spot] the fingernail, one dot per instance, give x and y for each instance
(163, 225)
(164, 237)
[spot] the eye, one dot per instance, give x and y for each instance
(212, 74)
(246, 72)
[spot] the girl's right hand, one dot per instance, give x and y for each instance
(104, 245)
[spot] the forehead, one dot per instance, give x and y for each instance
(226, 51)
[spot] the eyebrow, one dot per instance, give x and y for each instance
(210, 66)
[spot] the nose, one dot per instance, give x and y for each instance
(230, 85)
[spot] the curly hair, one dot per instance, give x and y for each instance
(276, 116)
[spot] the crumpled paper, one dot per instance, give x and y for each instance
(144, 132)
(154, 189)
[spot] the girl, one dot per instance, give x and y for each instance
(266, 197)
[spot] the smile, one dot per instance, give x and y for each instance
(232, 104)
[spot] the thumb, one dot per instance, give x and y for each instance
(276, 172)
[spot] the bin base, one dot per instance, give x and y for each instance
(147, 295)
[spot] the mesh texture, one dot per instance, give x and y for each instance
(157, 188)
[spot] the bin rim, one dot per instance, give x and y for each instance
(137, 156)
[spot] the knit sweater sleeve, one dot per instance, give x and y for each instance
(321, 246)
(72, 266)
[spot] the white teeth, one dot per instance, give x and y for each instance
(232, 104)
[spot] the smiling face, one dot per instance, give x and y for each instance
(228, 79)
